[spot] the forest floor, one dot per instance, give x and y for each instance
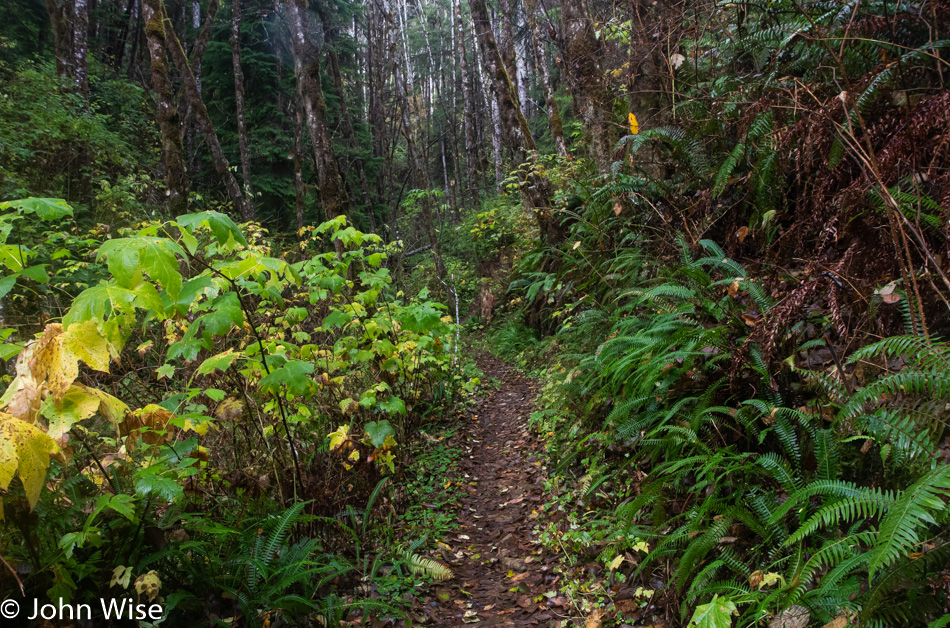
(502, 575)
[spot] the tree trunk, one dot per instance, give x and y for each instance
(468, 108)
(80, 47)
(176, 180)
(60, 16)
(541, 61)
(197, 106)
(515, 132)
(307, 71)
(191, 130)
(137, 35)
(247, 209)
(300, 192)
(506, 45)
(583, 56)
(346, 118)
(378, 64)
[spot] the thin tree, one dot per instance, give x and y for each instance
(248, 206)
(197, 106)
(166, 113)
(307, 71)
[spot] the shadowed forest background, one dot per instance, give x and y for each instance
(281, 237)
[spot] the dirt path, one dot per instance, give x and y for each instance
(501, 575)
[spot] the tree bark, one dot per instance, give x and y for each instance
(300, 191)
(69, 21)
(468, 107)
(583, 56)
(176, 180)
(197, 106)
(541, 61)
(506, 45)
(247, 209)
(60, 16)
(80, 47)
(307, 71)
(515, 132)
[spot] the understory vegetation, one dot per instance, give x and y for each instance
(247, 250)
(747, 407)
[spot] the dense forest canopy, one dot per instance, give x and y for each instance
(260, 262)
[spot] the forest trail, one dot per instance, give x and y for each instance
(500, 571)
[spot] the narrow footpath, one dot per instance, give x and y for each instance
(502, 577)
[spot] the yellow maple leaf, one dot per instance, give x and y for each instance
(634, 125)
(25, 449)
(338, 437)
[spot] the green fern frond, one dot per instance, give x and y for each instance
(915, 508)
(428, 567)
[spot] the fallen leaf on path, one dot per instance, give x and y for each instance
(595, 619)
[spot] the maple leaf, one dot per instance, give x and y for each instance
(24, 449)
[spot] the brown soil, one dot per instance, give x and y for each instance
(501, 573)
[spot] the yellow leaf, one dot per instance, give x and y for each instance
(52, 363)
(121, 576)
(198, 428)
(149, 584)
(771, 578)
(85, 342)
(26, 449)
(634, 124)
(338, 437)
(616, 562)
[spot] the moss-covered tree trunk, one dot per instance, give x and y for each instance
(515, 132)
(583, 55)
(547, 84)
(166, 113)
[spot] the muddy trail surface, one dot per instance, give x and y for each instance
(502, 576)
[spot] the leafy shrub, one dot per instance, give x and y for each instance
(239, 364)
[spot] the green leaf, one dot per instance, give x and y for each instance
(293, 375)
(150, 483)
(220, 225)
(45, 208)
(394, 405)
(420, 318)
(377, 432)
(124, 505)
(156, 256)
(336, 318)
(37, 273)
(221, 362)
(15, 257)
(717, 614)
(191, 290)
(6, 284)
(165, 371)
(108, 300)
(225, 313)
(916, 507)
